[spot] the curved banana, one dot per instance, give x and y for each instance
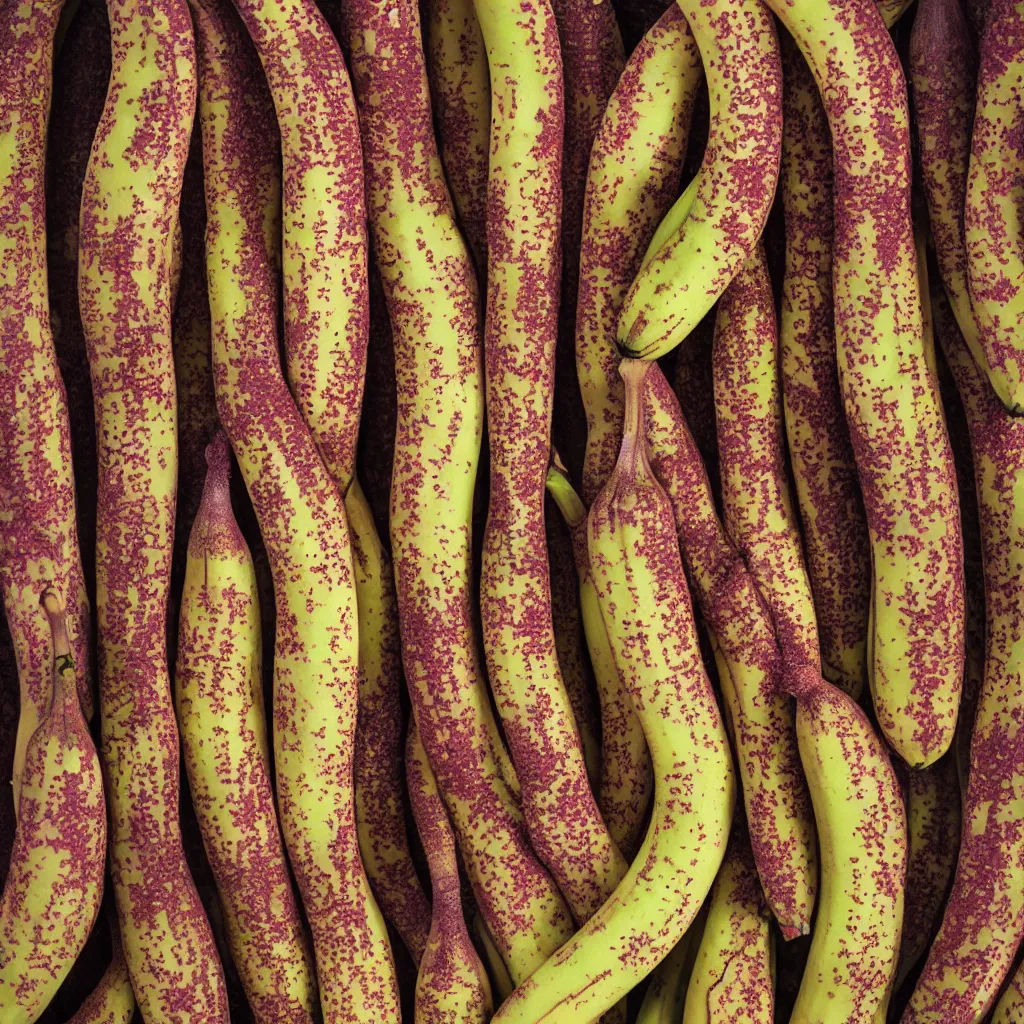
(460, 91)
(756, 500)
(736, 185)
(733, 974)
(779, 811)
(995, 265)
(666, 994)
(219, 699)
(933, 834)
(694, 387)
(863, 840)
(452, 986)
(893, 409)
(433, 303)
(303, 524)
(983, 922)
(129, 209)
(524, 206)
(626, 782)
(38, 532)
(112, 1001)
(635, 165)
(55, 879)
(828, 493)
(646, 610)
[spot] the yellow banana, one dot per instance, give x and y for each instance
(55, 879)
(452, 986)
(666, 994)
(219, 699)
(112, 1000)
(303, 524)
(626, 783)
(646, 609)
(778, 806)
(863, 840)
(890, 396)
(733, 974)
(736, 185)
(635, 164)
(524, 206)
(38, 533)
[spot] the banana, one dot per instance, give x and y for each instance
(983, 921)
(380, 808)
(452, 985)
(733, 976)
(646, 610)
(55, 879)
(736, 185)
(129, 207)
(303, 524)
(112, 1000)
(592, 60)
(635, 165)
(460, 91)
(891, 399)
(626, 784)
(501, 983)
(666, 994)
(567, 621)
(933, 832)
(824, 472)
(863, 840)
(694, 387)
(995, 267)
(38, 533)
(756, 500)
(433, 302)
(524, 206)
(778, 805)
(219, 699)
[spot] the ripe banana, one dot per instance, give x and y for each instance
(38, 534)
(427, 277)
(55, 879)
(933, 834)
(736, 185)
(646, 609)
(219, 699)
(626, 783)
(452, 985)
(995, 266)
(733, 976)
(112, 1000)
(524, 206)
(891, 399)
(756, 499)
(778, 805)
(129, 207)
(984, 917)
(303, 524)
(666, 994)
(828, 493)
(635, 164)
(863, 840)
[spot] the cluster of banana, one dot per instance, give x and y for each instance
(670, 710)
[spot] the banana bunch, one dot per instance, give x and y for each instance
(550, 473)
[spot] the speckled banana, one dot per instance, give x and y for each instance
(303, 524)
(863, 840)
(38, 532)
(733, 976)
(129, 210)
(626, 784)
(666, 994)
(893, 409)
(736, 185)
(646, 609)
(112, 1000)
(452, 986)
(55, 879)
(219, 699)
